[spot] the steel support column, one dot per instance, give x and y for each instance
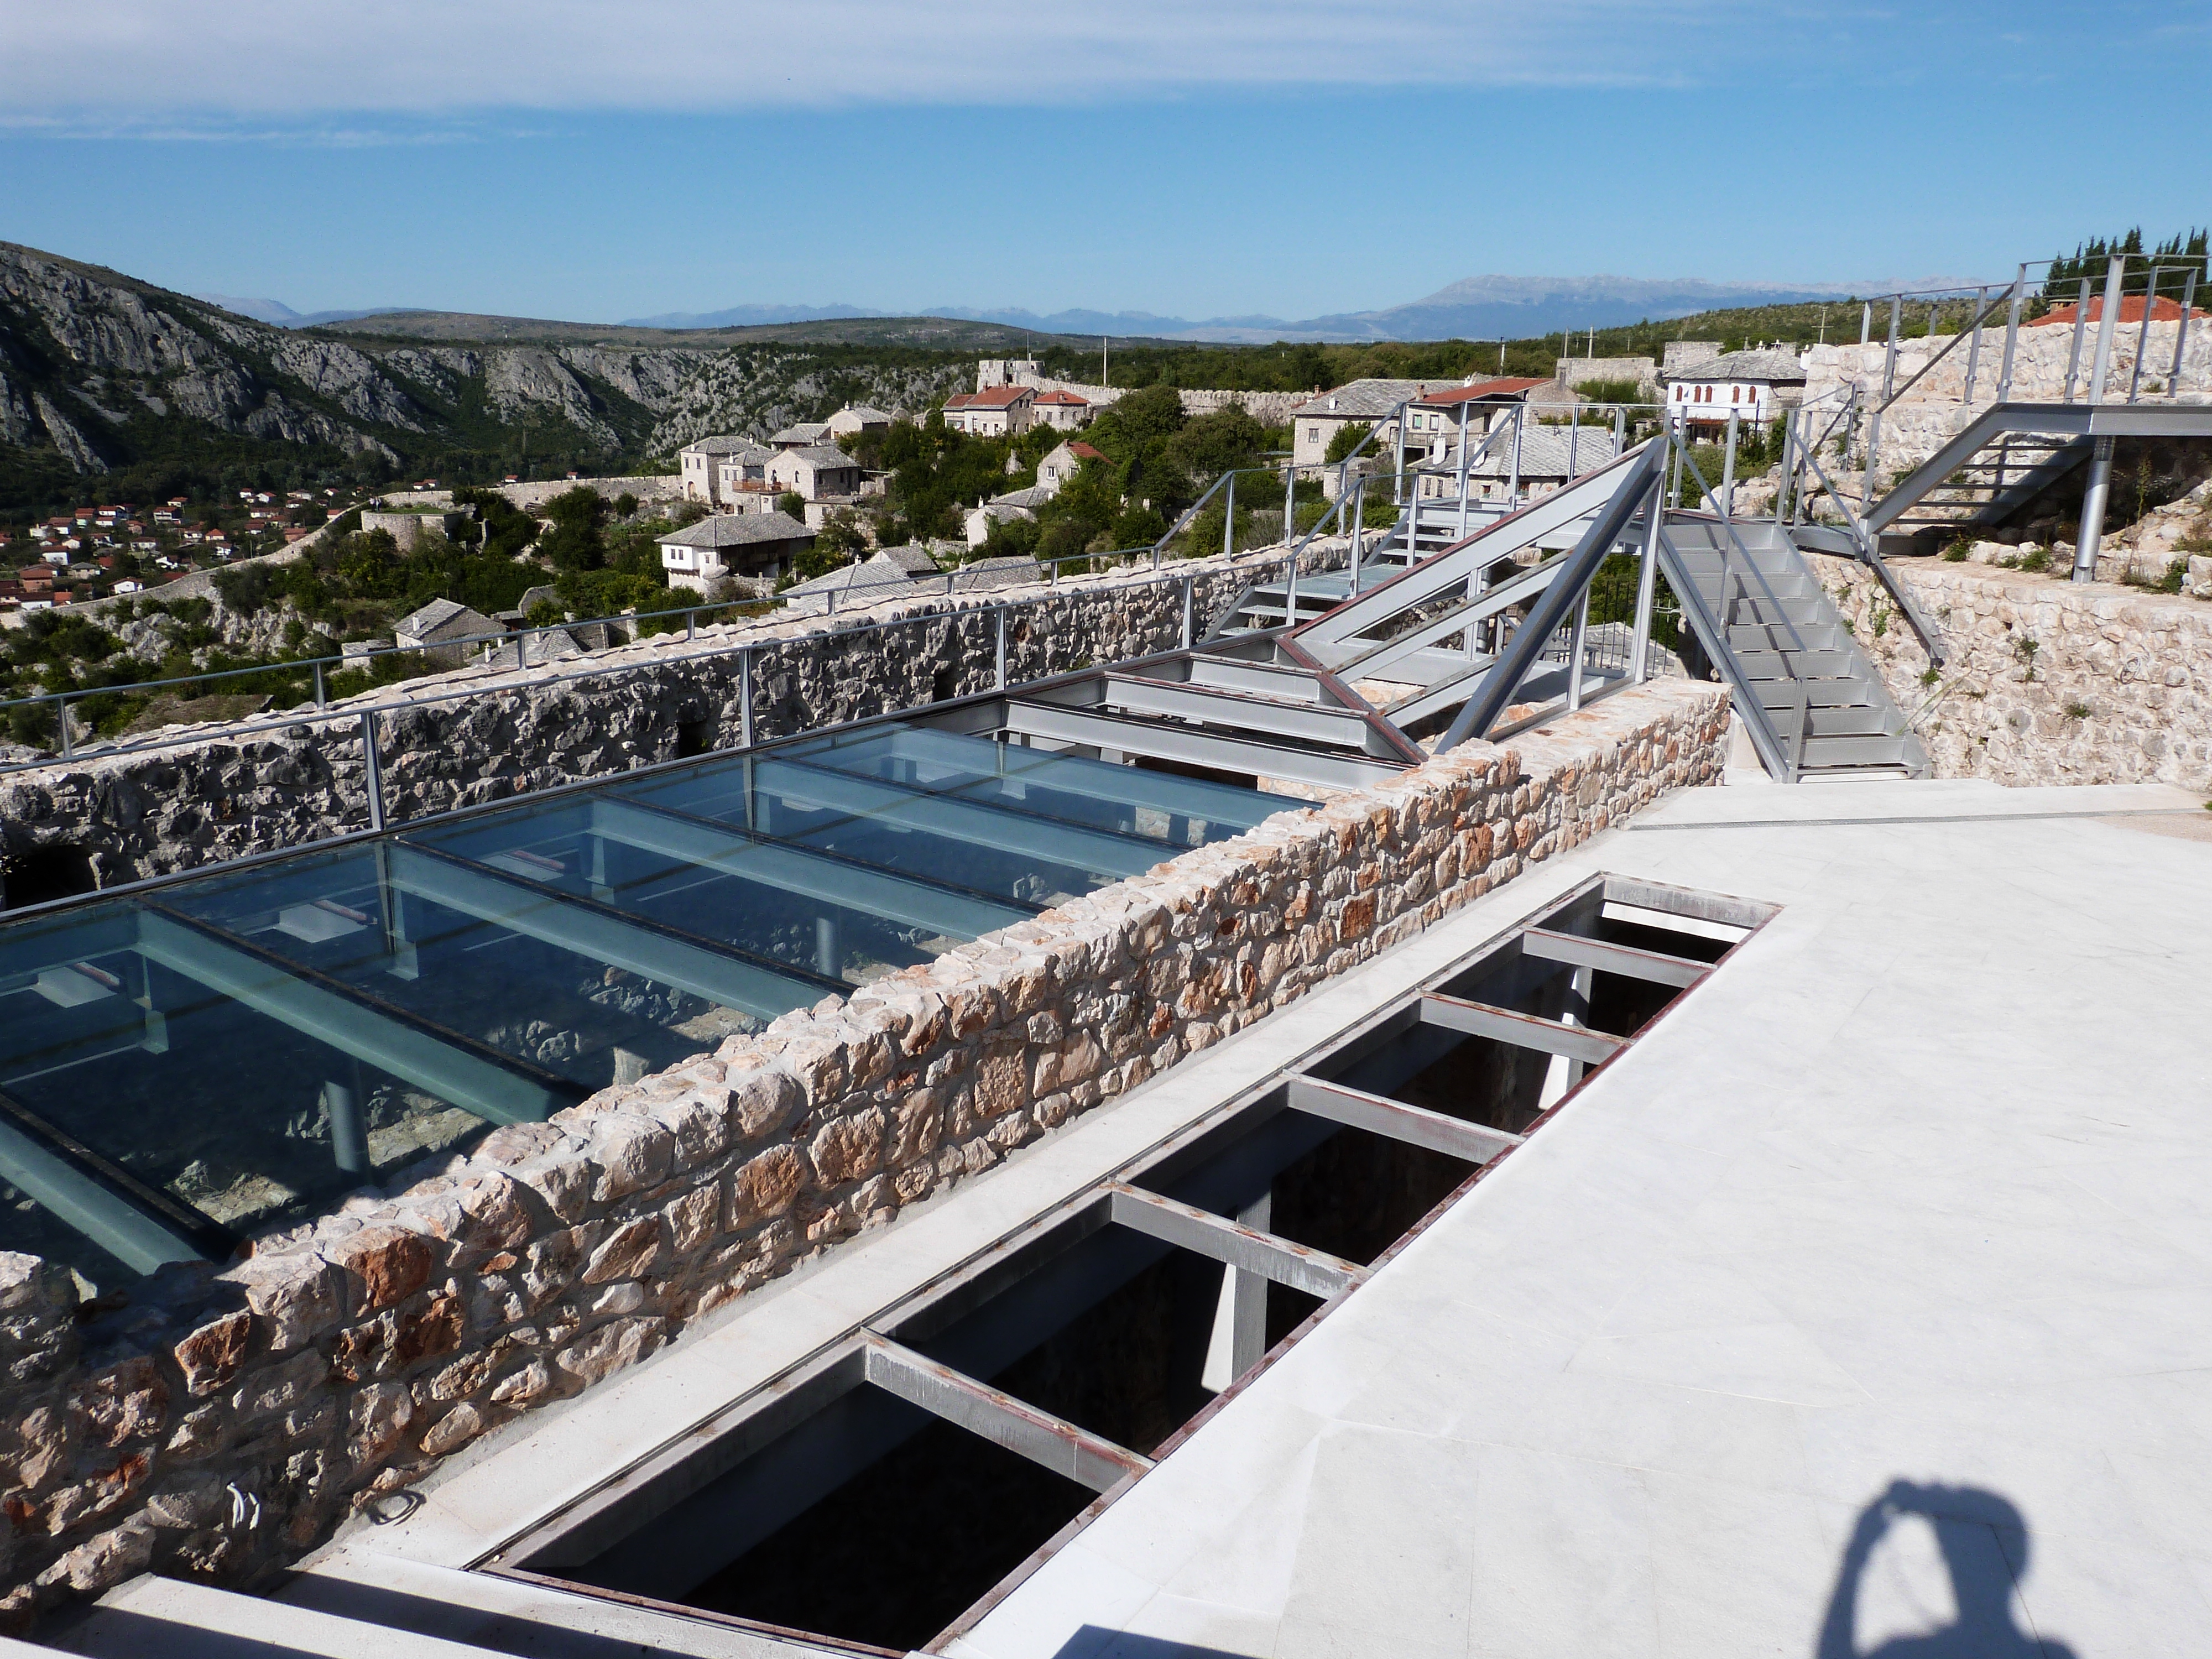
(2092, 509)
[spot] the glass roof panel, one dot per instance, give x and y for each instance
(1179, 811)
(209, 1056)
(993, 848)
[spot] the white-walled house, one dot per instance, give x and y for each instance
(1759, 385)
(995, 412)
(1063, 462)
(758, 545)
(1061, 410)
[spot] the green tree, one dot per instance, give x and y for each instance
(1348, 439)
(575, 542)
(792, 504)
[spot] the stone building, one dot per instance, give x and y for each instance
(749, 546)
(699, 466)
(1754, 385)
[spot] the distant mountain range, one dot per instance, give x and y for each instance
(1477, 308)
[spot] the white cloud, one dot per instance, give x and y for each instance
(290, 62)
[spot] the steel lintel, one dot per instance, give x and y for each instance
(795, 869)
(1577, 951)
(1067, 845)
(1547, 1036)
(1051, 1442)
(1245, 1248)
(1415, 1125)
(598, 934)
(126, 1233)
(473, 1077)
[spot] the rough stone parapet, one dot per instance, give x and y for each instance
(2048, 681)
(221, 1422)
(227, 794)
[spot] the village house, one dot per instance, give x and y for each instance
(741, 478)
(1062, 410)
(821, 474)
(803, 435)
(1757, 385)
(438, 629)
(856, 418)
(757, 547)
(699, 463)
(1065, 462)
(996, 412)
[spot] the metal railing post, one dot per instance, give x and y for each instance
(1290, 498)
(1576, 644)
(1465, 461)
(1974, 345)
(1647, 583)
(322, 697)
(1189, 584)
(999, 676)
(61, 720)
(691, 626)
(2107, 325)
(1291, 591)
(372, 765)
(2011, 335)
(1889, 353)
(2181, 333)
(1784, 478)
(1513, 488)
(2074, 349)
(1727, 502)
(1398, 483)
(745, 697)
(1229, 520)
(2142, 334)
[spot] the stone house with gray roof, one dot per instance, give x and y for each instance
(1757, 386)
(748, 547)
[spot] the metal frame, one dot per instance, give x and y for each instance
(1276, 1120)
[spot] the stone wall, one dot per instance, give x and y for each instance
(224, 796)
(652, 486)
(2047, 681)
(1921, 421)
(1580, 371)
(220, 1422)
(1269, 408)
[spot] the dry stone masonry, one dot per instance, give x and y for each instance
(221, 1421)
(2047, 681)
(225, 796)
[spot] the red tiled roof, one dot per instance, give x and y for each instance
(999, 396)
(1063, 397)
(1510, 387)
(960, 400)
(1084, 451)
(2131, 311)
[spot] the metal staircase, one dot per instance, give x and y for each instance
(1813, 701)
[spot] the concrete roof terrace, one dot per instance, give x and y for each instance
(1879, 1261)
(1913, 1190)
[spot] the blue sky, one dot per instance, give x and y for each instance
(1291, 158)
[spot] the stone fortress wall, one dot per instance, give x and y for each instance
(224, 1421)
(223, 795)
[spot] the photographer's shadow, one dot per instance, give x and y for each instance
(1984, 1540)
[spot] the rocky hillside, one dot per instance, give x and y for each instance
(100, 373)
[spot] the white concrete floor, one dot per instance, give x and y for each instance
(1917, 1189)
